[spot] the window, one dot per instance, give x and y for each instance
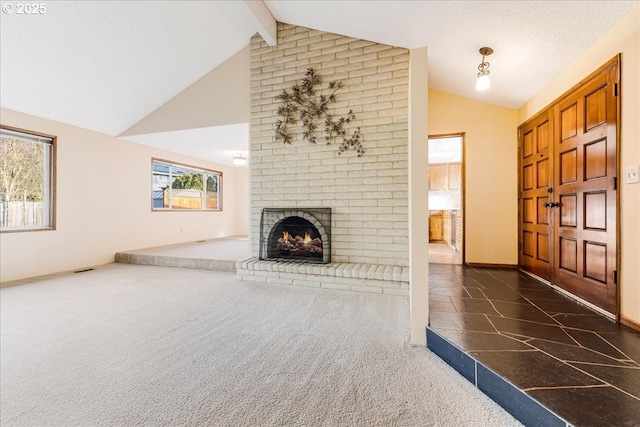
(181, 187)
(27, 175)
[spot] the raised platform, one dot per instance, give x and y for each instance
(546, 359)
(381, 279)
(231, 254)
(219, 254)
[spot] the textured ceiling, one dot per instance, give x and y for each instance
(105, 65)
(532, 40)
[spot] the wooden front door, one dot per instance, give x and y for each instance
(535, 195)
(585, 186)
(568, 194)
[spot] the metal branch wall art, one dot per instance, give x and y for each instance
(303, 103)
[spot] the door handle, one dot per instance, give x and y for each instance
(554, 205)
(547, 205)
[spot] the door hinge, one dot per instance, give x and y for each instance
(615, 277)
(615, 182)
(615, 89)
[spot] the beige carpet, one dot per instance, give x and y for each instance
(128, 345)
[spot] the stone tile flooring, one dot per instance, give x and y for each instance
(576, 363)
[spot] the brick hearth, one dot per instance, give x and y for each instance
(380, 279)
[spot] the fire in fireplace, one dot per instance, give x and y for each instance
(297, 240)
(295, 234)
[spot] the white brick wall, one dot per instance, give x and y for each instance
(368, 195)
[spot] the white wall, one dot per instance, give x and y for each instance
(623, 38)
(368, 195)
(103, 204)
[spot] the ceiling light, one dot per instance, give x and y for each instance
(239, 160)
(484, 82)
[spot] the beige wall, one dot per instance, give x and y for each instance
(219, 98)
(104, 204)
(418, 198)
(241, 199)
(623, 38)
(491, 203)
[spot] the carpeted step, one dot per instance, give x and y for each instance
(176, 262)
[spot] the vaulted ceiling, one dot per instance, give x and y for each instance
(105, 66)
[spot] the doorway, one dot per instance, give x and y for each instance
(446, 199)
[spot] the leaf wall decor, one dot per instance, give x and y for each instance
(305, 104)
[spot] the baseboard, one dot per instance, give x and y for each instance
(630, 323)
(481, 265)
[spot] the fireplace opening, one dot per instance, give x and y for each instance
(296, 234)
(295, 238)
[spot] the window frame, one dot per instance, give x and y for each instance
(52, 180)
(200, 169)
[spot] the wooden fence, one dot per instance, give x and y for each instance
(189, 199)
(22, 214)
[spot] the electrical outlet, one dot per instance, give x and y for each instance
(632, 174)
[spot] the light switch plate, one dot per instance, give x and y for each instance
(632, 174)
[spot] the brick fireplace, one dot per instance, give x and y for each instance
(296, 234)
(368, 248)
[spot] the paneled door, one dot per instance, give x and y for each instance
(535, 195)
(585, 183)
(568, 190)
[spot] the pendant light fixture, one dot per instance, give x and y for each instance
(484, 82)
(239, 159)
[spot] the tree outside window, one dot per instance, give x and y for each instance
(179, 187)
(26, 180)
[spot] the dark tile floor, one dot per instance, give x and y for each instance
(544, 357)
